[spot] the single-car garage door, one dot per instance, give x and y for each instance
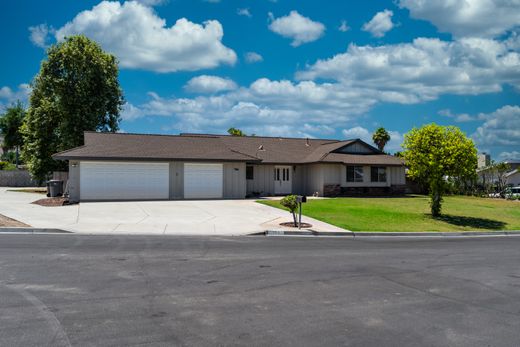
(203, 181)
(124, 181)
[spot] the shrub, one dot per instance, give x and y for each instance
(6, 166)
(290, 202)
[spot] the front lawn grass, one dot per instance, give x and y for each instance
(412, 213)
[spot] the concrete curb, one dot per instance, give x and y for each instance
(384, 234)
(33, 230)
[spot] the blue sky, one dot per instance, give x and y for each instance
(334, 69)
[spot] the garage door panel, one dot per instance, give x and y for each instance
(203, 181)
(124, 180)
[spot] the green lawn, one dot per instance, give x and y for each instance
(411, 213)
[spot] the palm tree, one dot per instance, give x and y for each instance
(381, 138)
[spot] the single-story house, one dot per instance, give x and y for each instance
(513, 178)
(487, 175)
(202, 166)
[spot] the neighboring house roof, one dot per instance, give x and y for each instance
(272, 150)
(511, 173)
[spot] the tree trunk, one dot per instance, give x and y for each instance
(294, 218)
(436, 197)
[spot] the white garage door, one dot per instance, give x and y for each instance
(124, 180)
(203, 181)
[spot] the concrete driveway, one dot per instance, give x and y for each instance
(202, 217)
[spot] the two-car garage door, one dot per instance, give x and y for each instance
(124, 181)
(147, 181)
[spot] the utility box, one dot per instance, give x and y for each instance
(54, 188)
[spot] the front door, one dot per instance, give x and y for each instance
(282, 180)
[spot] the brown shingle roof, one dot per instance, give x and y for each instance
(273, 150)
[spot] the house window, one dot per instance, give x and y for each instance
(250, 173)
(354, 173)
(378, 174)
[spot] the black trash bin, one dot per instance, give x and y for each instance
(54, 188)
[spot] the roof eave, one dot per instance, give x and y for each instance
(91, 158)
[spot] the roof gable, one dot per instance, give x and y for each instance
(358, 146)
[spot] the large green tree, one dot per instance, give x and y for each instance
(10, 124)
(235, 132)
(381, 138)
(433, 153)
(76, 90)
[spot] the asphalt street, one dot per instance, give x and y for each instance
(80, 290)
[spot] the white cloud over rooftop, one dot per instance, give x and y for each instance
(142, 40)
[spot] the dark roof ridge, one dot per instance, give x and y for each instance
(259, 137)
(141, 134)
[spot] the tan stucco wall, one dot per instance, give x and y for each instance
(234, 180)
(263, 180)
(73, 181)
(176, 180)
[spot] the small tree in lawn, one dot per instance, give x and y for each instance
(291, 204)
(433, 153)
(381, 138)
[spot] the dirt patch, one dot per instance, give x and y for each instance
(52, 202)
(9, 222)
(291, 225)
(29, 190)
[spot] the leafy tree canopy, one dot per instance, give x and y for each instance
(433, 153)
(76, 90)
(381, 138)
(10, 123)
(236, 132)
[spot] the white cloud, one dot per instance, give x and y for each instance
(460, 118)
(265, 107)
(501, 127)
(9, 96)
(343, 27)
(40, 35)
(355, 81)
(297, 27)
(380, 24)
(476, 18)
(209, 84)
(357, 133)
(152, 2)
(422, 70)
(253, 57)
(244, 12)
(394, 145)
(513, 155)
(142, 40)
